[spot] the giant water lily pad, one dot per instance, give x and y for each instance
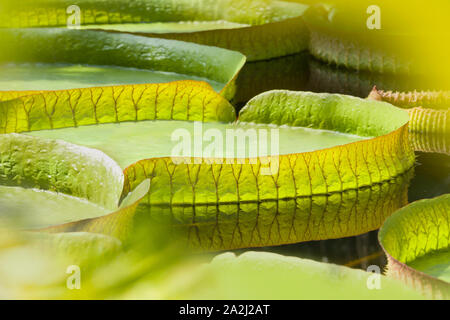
(57, 59)
(37, 265)
(46, 183)
(325, 160)
(274, 223)
(261, 275)
(416, 241)
(430, 116)
(346, 162)
(241, 25)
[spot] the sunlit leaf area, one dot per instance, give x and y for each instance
(224, 149)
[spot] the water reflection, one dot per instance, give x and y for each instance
(327, 78)
(302, 72)
(432, 178)
(234, 226)
(289, 73)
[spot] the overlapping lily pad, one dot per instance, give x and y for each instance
(306, 169)
(246, 26)
(37, 265)
(46, 183)
(430, 116)
(270, 276)
(56, 59)
(416, 241)
(349, 169)
(274, 223)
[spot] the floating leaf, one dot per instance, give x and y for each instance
(416, 241)
(46, 183)
(430, 116)
(60, 167)
(273, 223)
(326, 146)
(345, 171)
(183, 100)
(38, 265)
(340, 166)
(73, 59)
(429, 111)
(241, 25)
(259, 275)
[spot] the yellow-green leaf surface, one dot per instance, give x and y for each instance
(429, 110)
(273, 223)
(46, 183)
(60, 167)
(260, 275)
(37, 265)
(185, 100)
(321, 172)
(54, 59)
(130, 142)
(333, 157)
(304, 171)
(246, 26)
(430, 116)
(416, 241)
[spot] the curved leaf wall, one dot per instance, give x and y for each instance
(257, 22)
(416, 241)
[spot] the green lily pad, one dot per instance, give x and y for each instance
(153, 139)
(36, 77)
(38, 265)
(320, 172)
(35, 209)
(241, 25)
(416, 241)
(430, 116)
(45, 183)
(274, 223)
(72, 59)
(304, 170)
(260, 275)
(219, 214)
